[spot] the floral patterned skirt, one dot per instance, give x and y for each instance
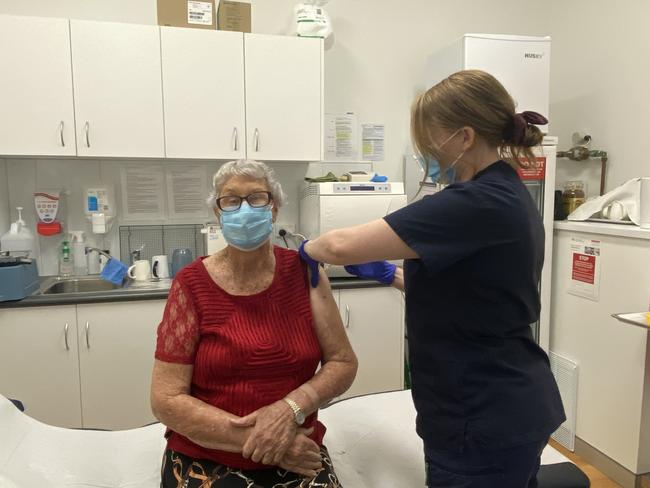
(180, 471)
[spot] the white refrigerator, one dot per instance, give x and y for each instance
(522, 65)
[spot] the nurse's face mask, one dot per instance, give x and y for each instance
(431, 165)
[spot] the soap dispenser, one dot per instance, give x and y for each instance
(79, 257)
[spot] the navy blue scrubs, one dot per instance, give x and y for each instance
(482, 387)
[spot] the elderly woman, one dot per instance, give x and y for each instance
(238, 347)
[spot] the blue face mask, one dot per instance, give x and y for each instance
(432, 167)
(247, 228)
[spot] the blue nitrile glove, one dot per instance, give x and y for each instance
(311, 264)
(381, 271)
(114, 271)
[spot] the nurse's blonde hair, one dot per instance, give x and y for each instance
(476, 99)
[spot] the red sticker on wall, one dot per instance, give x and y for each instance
(535, 170)
(584, 268)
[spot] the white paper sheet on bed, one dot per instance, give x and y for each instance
(373, 444)
(371, 439)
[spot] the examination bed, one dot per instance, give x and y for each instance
(371, 440)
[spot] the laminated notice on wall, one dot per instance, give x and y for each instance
(186, 191)
(341, 137)
(373, 142)
(142, 190)
(585, 268)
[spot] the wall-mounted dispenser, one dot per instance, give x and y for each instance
(47, 206)
(99, 206)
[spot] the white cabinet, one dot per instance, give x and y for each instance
(116, 353)
(374, 321)
(89, 365)
(36, 87)
(39, 362)
(81, 365)
(95, 89)
(117, 89)
(203, 87)
(283, 97)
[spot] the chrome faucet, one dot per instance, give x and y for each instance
(136, 254)
(98, 251)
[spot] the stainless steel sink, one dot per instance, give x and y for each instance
(78, 285)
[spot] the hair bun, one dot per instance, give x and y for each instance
(522, 130)
(533, 136)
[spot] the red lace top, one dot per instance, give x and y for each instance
(247, 351)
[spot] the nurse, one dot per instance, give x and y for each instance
(483, 389)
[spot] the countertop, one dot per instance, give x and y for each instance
(150, 292)
(619, 230)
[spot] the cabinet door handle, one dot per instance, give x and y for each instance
(347, 316)
(87, 132)
(235, 139)
(61, 125)
(257, 140)
(87, 335)
(65, 336)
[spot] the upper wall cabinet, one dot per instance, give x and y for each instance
(117, 89)
(95, 89)
(35, 87)
(283, 97)
(203, 86)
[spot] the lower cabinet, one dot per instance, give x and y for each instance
(89, 365)
(116, 354)
(374, 321)
(39, 363)
(81, 366)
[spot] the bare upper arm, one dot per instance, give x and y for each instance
(332, 337)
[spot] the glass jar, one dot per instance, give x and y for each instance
(573, 196)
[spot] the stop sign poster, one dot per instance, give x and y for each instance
(585, 268)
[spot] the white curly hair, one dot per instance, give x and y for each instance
(251, 169)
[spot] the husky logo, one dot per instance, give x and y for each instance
(533, 55)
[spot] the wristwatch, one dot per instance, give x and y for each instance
(298, 415)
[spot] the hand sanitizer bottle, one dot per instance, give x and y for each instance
(79, 253)
(65, 260)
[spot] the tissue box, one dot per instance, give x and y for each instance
(188, 13)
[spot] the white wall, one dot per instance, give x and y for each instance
(132, 11)
(599, 82)
(374, 65)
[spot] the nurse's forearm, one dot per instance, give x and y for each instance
(329, 248)
(373, 241)
(398, 281)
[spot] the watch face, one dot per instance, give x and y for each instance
(300, 418)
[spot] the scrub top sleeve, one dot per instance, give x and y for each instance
(446, 227)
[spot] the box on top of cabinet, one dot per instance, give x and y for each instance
(234, 16)
(188, 13)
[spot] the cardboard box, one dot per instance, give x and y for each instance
(188, 13)
(234, 16)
